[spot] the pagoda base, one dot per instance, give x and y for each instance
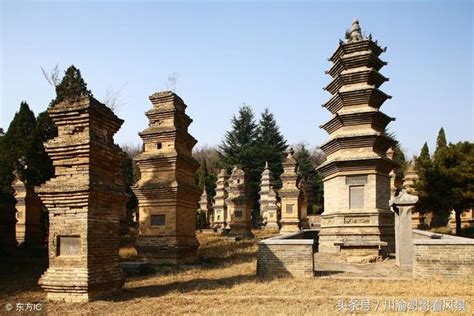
(167, 250)
(73, 285)
(357, 234)
(289, 226)
(240, 231)
(272, 227)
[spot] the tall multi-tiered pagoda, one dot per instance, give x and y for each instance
(167, 193)
(357, 217)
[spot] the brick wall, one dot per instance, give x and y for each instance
(447, 256)
(286, 256)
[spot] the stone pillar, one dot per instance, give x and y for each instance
(205, 206)
(307, 198)
(268, 201)
(290, 195)
(166, 192)
(30, 229)
(220, 203)
(84, 201)
(402, 205)
(238, 206)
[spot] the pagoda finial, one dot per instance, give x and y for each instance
(266, 164)
(355, 33)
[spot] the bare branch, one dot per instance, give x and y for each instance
(112, 98)
(172, 79)
(52, 76)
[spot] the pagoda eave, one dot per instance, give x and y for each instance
(377, 141)
(377, 119)
(366, 75)
(381, 164)
(348, 48)
(371, 96)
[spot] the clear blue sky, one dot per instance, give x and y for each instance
(264, 53)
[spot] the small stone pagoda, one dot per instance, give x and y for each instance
(167, 193)
(84, 201)
(30, 226)
(291, 197)
(268, 201)
(220, 204)
(205, 206)
(357, 217)
(238, 206)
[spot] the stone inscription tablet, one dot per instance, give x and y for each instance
(69, 246)
(356, 180)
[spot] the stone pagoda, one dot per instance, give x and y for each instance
(220, 204)
(357, 216)
(238, 206)
(205, 206)
(291, 197)
(167, 194)
(268, 201)
(84, 201)
(30, 226)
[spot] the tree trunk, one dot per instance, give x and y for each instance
(458, 222)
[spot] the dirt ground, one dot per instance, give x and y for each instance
(224, 281)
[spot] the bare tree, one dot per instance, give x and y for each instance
(112, 98)
(210, 154)
(172, 79)
(132, 149)
(52, 76)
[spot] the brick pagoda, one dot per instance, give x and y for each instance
(167, 194)
(357, 218)
(220, 203)
(268, 201)
(238, 206)
(84, 201)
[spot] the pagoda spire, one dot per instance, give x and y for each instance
(355, 33)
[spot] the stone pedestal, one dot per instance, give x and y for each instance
(402, 205)
(30, 226)
(166, 192)
(220, 204)
(268, 201)
(290, 194)
(84, 201)
(238, 206)
(357, 217)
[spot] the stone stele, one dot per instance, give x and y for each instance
(357, 219)
(84, 201)
(167, 194)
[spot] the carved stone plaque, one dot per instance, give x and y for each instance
(69, 246)
(356, 180)
(356, 197)
(157, 220)
(356, 220)
(289, 208)
(238, 213)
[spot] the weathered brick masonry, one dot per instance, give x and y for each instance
(286, 256)
(446, 256)
(84, 201)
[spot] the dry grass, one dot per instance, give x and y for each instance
(224, 281)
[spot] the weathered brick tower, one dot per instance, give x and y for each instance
(357, 218)
(167, 194)
(291, 198)
(268, 201)
(84, 201)
(220, 204)
(238, 206)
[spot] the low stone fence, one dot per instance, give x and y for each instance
(442, 255)
(288, 255)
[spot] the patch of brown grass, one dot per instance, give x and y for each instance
(224, 281)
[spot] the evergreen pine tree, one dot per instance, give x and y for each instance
(239, 148)
(308, 172)
(271, 146)
(441, 144)
(72, 86)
